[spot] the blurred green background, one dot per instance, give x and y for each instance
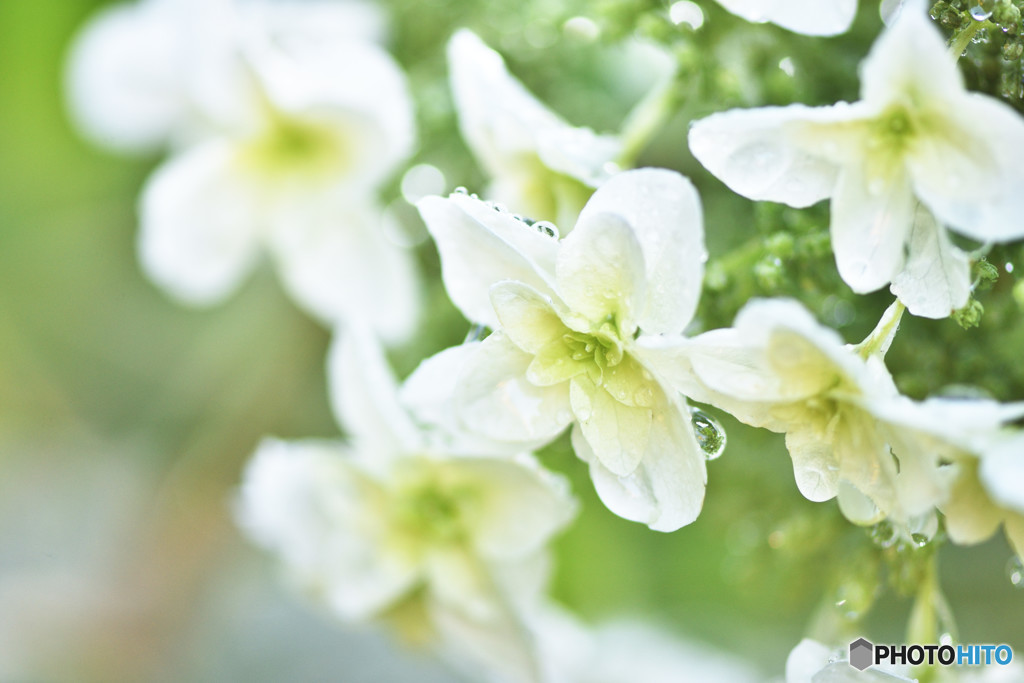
(125, 419)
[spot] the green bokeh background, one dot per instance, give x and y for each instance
(98, 366)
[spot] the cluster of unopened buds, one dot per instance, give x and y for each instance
(285, 119)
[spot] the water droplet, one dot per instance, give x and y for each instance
(547, 228)
(476, 333)
(1015, 571)
(946, 639)
(979, 13)
(583, 414)
(920, 540)
(643, 396)
(884, 534)
(709, 433)
(461, 189)
(500, 208)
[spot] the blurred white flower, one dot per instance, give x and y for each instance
(567, 317)
(626, 651)
(779, 369)
(813, 662)
(291, 131)
(540, 165)
(445, 546)
(916, 153)
(810, 17)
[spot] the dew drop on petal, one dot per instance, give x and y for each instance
(547, 228)
(920, 540)
(461, 189)
(709, 433)
(979, 13)
(643, 396)
(1015, 572)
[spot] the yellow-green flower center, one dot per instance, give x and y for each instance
(287, 146)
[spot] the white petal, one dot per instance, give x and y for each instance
(364, 396)
(618, 434)
(336, 261)
(495, 399)
(971, 516)
(307, 503)
(871, 222)
(600, 271)
(815, 465)
(351, 88)
(664, 211)
(782, 154)
(666, 490)
(810, 17)
(480, 246)
(910, 58)
(968, 172)
(519, 506)
(805, 660)
(1002, 474)
(200, 225)
(318, 21)
(505, 125)
(124, 76)
(527, 317)
(936, 279)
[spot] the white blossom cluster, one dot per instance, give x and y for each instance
(283, 120)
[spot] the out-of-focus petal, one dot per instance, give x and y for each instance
(364, 396)
(664, 212)
(304, 501)
(480, 246)
(200, 225)
(1002, 473)
(936, 279)
(336, 261)
(810, 17)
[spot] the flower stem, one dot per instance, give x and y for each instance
(646, 118)
(959, 42)
(881, 337)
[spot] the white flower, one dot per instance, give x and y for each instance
(779, 369)
(298, 131)
(916, 153)
(627, 651)
(813, 662)
(541, 166)
(810, 17)
(446, 546)
(567, 318)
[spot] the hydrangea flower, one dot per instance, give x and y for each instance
(779, 369)
(569, 318)
(407, 524)
(917, 153)
(540, 165)
(297, 132)
(810, 17)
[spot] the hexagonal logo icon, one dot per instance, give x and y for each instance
(861, 654)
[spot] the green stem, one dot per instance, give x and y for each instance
(646, 118)
(881, 337)
(961, 40)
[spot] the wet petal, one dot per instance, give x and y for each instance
(1002, 473)
(527, 317)
(664, 212)
(815, 465)
(495, 399)
(479, 247)
(600, 271)
(936, 279)
(971, 516)
(618, 434)
(871, 223)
